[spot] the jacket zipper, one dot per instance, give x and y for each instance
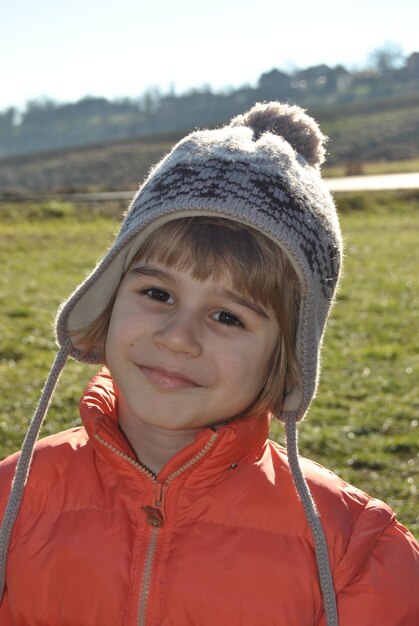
(153, 515)
(126, 457)
(151, 550)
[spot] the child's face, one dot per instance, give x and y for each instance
(186, 354)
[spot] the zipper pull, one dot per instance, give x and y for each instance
(153, 514)
(159, 494)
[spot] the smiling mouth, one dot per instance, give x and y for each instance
(167, 380)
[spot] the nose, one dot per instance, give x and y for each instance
(179, 333)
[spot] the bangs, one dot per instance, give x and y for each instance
(211, 247)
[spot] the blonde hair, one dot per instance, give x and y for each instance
(207, 247)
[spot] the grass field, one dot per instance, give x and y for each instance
(364, 422)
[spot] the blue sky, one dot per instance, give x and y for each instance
(116, 48)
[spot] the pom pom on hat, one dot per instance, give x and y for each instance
(289, 122)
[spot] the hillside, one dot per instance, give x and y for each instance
(383, 130)
(45, 125)
(113, 166)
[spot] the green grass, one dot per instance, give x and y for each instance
(364, 422)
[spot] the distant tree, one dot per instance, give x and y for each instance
(92, 105)
(8, 118)
(37, 111)
(150, 99)
(387, 59)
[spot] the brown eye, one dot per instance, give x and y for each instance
(228, 319)
(161, 295)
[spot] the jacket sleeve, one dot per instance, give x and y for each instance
(384, 584)
(7, 472)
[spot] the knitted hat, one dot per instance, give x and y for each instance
(261, 170)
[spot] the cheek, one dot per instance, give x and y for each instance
(261, 363)
(116, 338)
(129, 334)
(109, 348)
(247, 367)
(122, 323)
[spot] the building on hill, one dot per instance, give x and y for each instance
(412, 65)
(322, 78)
(274, 85)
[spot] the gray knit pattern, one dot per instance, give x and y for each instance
(266, 195)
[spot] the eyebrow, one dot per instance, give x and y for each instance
(241, 301)
(144, 270)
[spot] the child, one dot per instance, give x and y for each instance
(170, 505)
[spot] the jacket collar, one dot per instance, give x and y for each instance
(214, 451)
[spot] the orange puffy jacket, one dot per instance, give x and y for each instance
(218, 538)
